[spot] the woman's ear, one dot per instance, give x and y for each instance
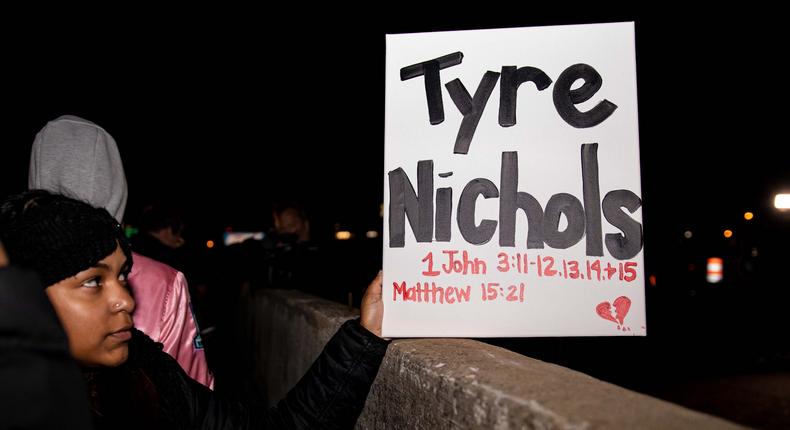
(3, 257)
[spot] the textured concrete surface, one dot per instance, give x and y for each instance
(456, 383)
(291, 329)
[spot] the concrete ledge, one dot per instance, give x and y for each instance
(454, 383)
(291, 329)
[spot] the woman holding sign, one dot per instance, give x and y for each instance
(83, 258)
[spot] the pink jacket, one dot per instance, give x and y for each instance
(164, 313)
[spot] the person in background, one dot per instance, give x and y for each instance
(284, 259)
(295, 261)
(161, 235)
(84, 259)
(77, 158)
(291, 223)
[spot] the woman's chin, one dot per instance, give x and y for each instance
(119, 357)
(114, 358)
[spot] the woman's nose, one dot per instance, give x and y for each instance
(122, 300)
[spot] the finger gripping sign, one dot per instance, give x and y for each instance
(512, 187)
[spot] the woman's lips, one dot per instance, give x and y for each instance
(122, 335)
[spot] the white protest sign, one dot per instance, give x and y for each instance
(512, 200)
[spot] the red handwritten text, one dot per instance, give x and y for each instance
(428, 292)
(463, 265)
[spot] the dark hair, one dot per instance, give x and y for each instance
(157, 216)
(278, 208)
(57, 236)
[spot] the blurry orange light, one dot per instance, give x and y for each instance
(748, 215)
(728, 233)
(343, 235)
(210, 244)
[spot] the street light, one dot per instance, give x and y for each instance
(782, 201)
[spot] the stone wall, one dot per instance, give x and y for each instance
(454, 383)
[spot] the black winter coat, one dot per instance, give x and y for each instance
(151, 391)
(41, 384)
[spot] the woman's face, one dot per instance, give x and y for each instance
(95, 308)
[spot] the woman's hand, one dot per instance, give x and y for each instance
(372, 309)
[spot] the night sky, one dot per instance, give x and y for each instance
(223, 112)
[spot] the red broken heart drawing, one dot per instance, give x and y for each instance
(621, 306)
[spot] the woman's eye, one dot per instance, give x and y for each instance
(91, 283)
